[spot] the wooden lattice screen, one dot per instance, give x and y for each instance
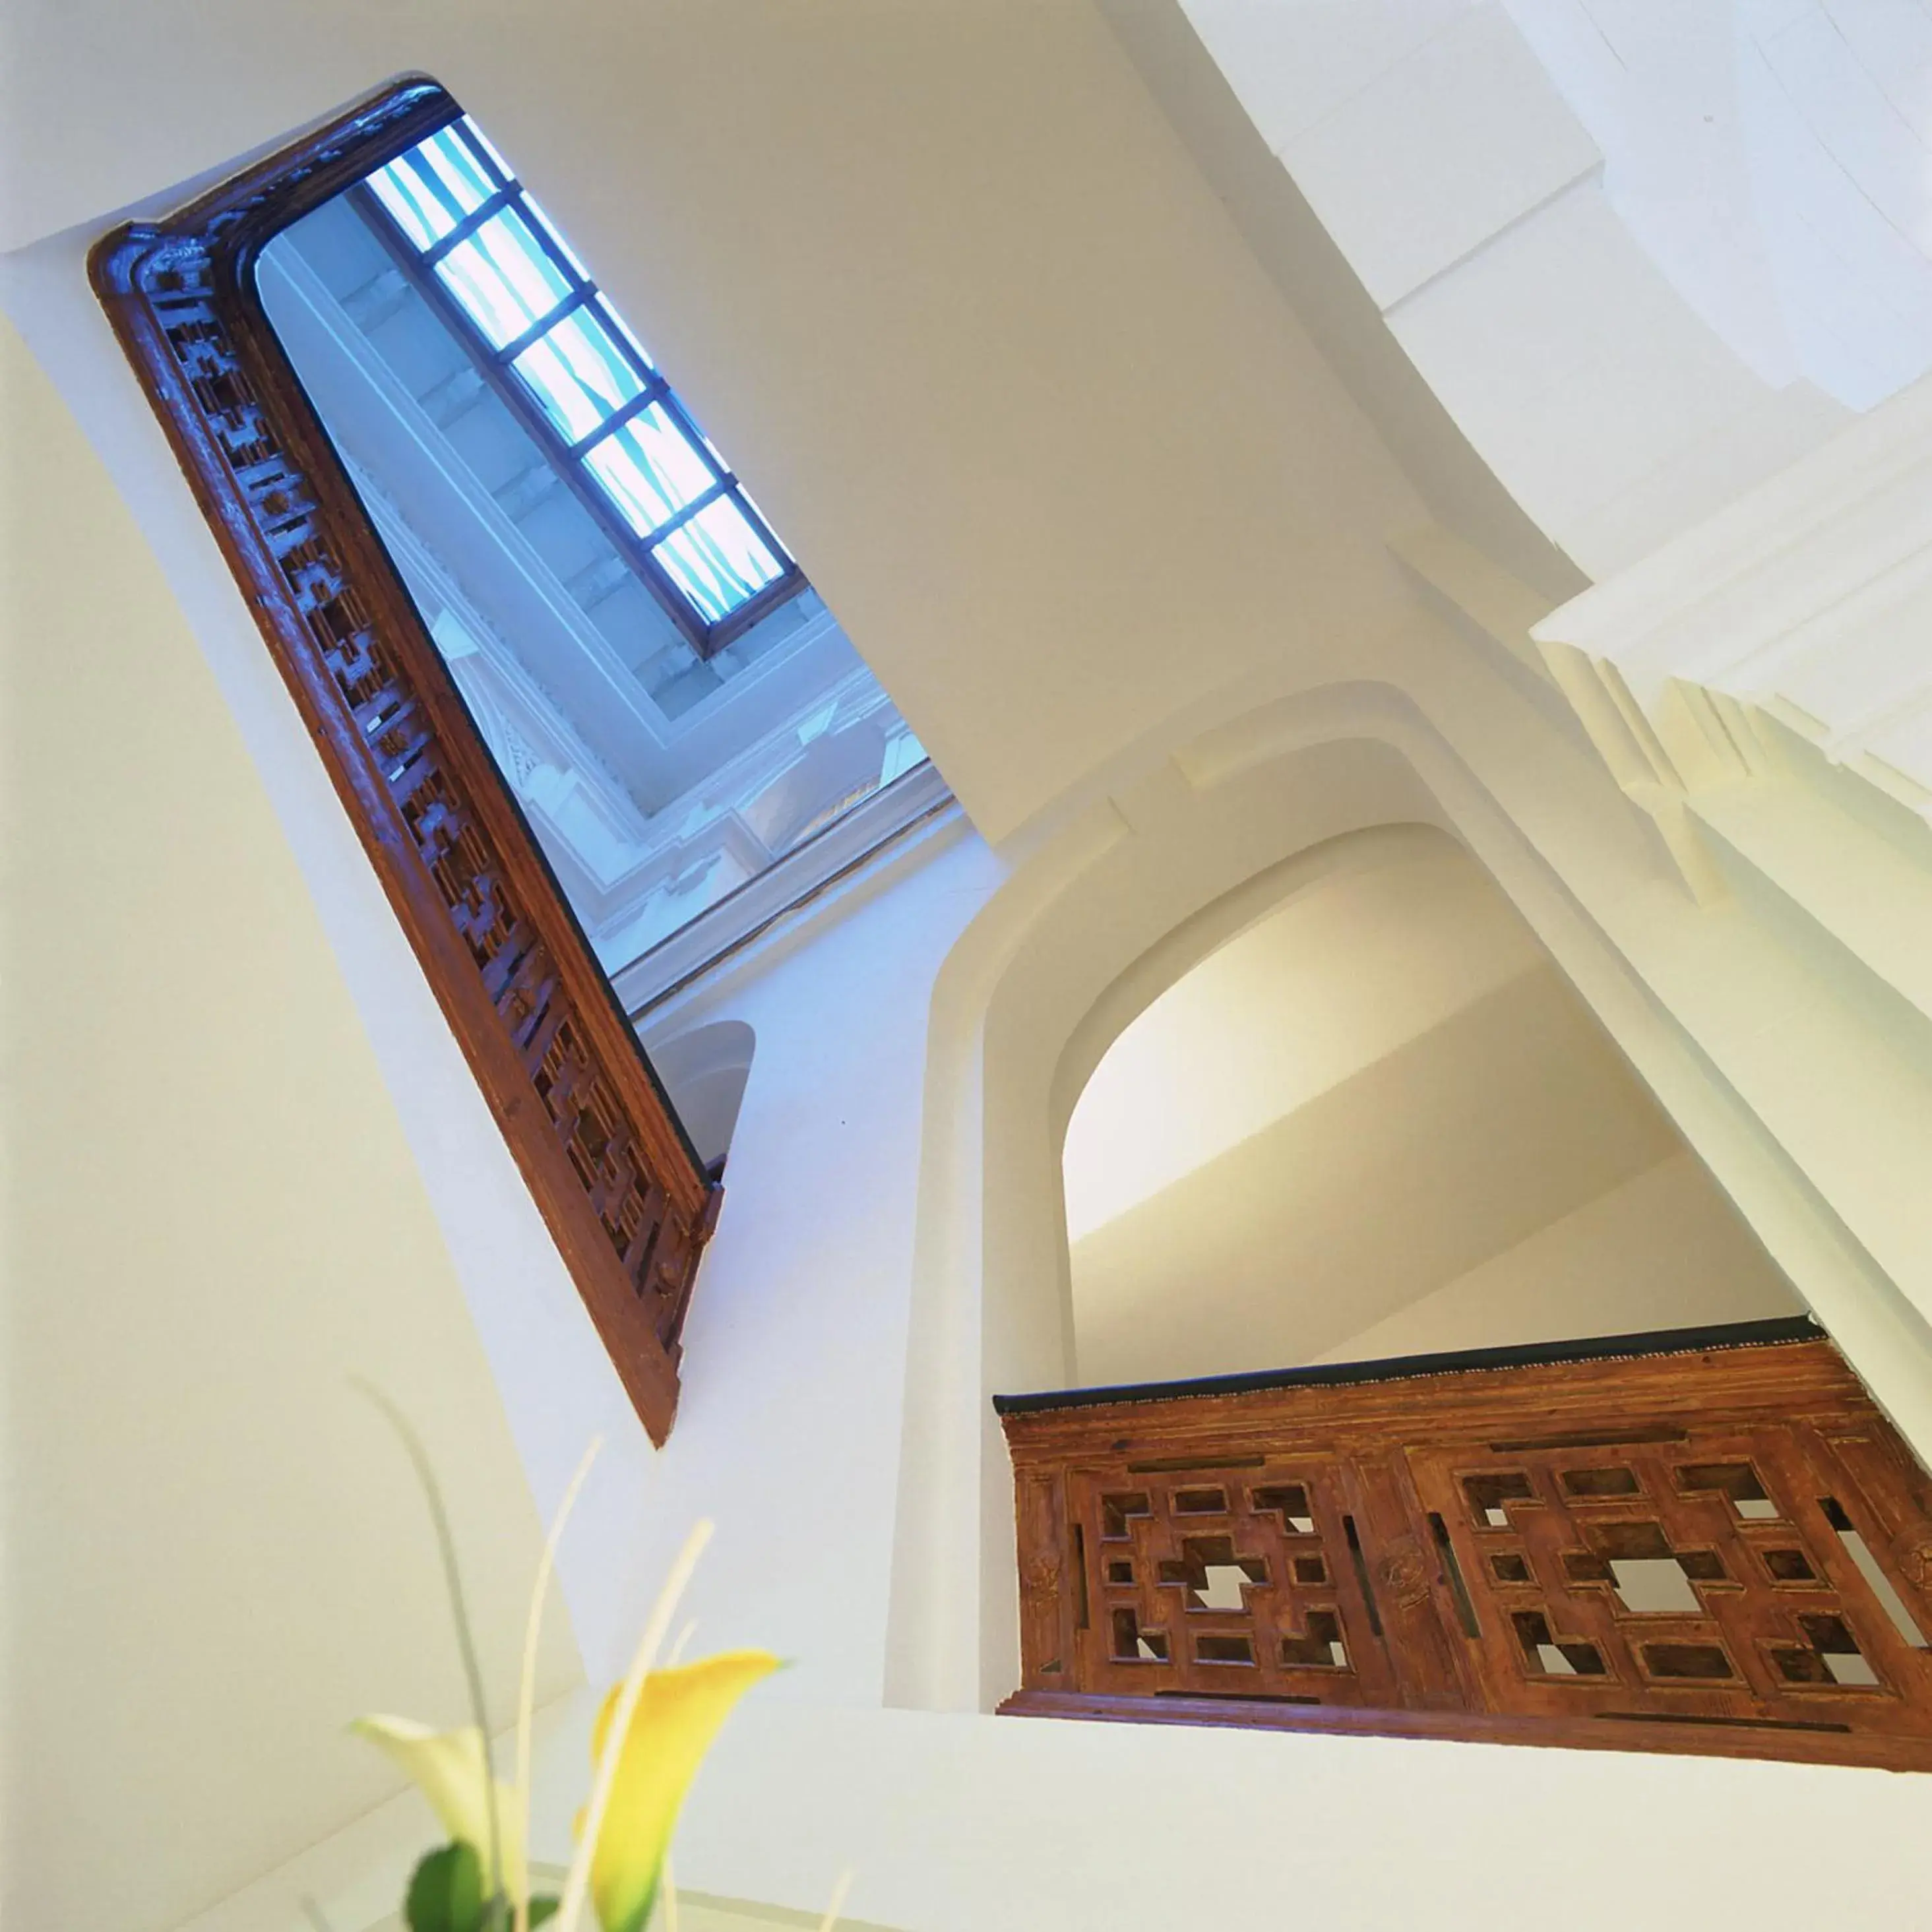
(603, 1154)
(1718, 1546)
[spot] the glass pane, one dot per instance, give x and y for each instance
(503, 277)
(615, 321)
(718, 559)
(691, 422)
(555, 234)
(580, 377)
(483, 141)
(432, 187)
(649, 468)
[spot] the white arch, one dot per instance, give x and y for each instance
(1114, 908)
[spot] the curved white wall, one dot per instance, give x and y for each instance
(216, 1552)
(1773, 159)
(1646, 256)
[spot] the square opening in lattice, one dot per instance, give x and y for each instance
(1649, 1577)
(1223, 1590)
(1289, 1501)
(1209, 1649)
(1321, 1649)
(1738, 1481)
(1200, 1502)
(1831, 1655)
(1655, 1587)
(1586, 1483)
(1548, 1656)
(1116, 1511)
(1506, 1568)
(1700, 1661)
(1132, 1644)
(1489, 1494)
(1214, 1577)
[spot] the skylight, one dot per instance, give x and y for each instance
(464, 228)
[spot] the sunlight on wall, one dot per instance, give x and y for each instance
(1330, 983)
(1378, 1121)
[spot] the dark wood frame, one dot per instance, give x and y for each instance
(1422, 1664)
(604, 1156)
(418, 267)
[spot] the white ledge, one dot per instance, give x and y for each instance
(917, 798)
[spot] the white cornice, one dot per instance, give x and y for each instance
(1733, 599)
(1801, 613)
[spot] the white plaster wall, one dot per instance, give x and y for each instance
(787, 1432)
(216, 1552)
(1663, 1250)
(1457, 1147)
(958, 1824)
(955, 1823)
(1361, 1105)
(1404, 932)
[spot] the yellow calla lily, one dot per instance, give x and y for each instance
(452, 1770)
(678, 1714)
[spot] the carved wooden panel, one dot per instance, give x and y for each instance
(596, 1140)
(1724, 1550)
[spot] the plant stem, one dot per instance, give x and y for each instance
(452, 1577)
(838, 1904)
(532, 1629)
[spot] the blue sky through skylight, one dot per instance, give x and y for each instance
(606, 406)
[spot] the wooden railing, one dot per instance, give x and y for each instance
(603, 1153)
(1709, 1542)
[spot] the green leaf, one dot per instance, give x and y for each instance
(446, 1891)
(543, 1908)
